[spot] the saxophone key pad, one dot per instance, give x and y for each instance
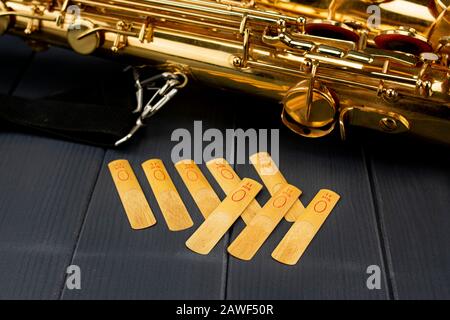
(83, 39)
(404, 40)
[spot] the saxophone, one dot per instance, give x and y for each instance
(327, 61)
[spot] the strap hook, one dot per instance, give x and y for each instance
(170, 83)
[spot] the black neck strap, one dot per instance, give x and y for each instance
(82, 122)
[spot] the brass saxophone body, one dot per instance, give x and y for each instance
(412, 26)
(324, 80)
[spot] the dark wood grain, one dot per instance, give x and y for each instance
(334, 266)
(58, 205)
(153, 263)
(45, 189)
(412, 186)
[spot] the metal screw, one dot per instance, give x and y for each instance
(388, 124)
(391, 94)
(307, 66)
(281, 26)
(237, 62)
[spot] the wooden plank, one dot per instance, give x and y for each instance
(412, 184)
(45, 189)
(44, 193)
(335, 264)
(117, 262)
(46, 186)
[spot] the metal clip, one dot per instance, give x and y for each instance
(163, 94)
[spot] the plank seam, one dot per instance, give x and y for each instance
(80, 229)
(225, 276)
(386, 257)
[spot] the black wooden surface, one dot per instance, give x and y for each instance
(411, 188)
(45, 188)
(58, 205)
